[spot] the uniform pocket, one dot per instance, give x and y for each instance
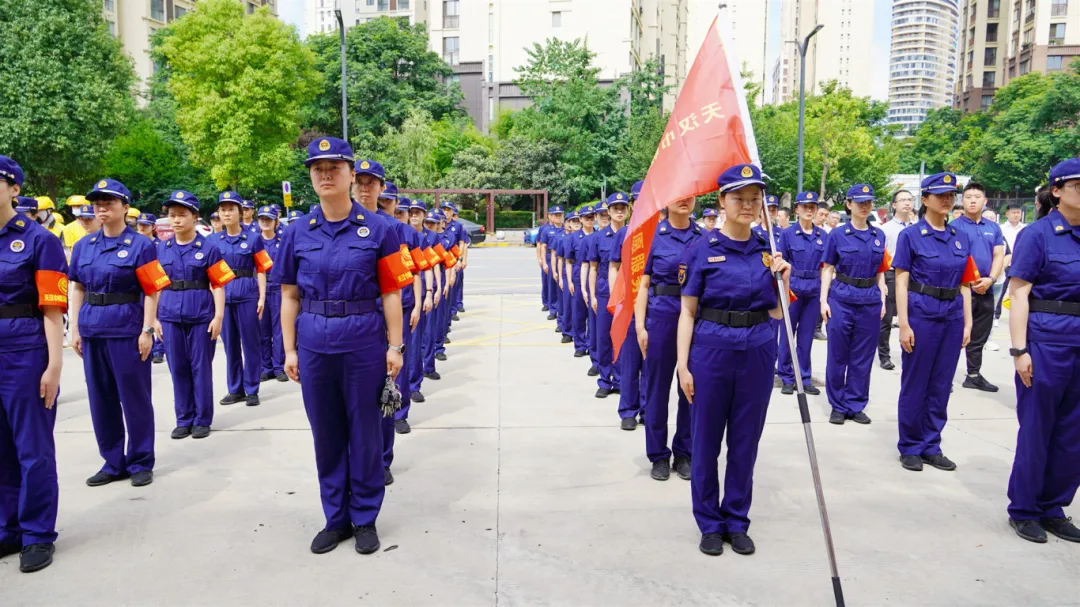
(1065, 267)
(308, 256)
(362, 255)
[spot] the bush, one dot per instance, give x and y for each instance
(513, 219)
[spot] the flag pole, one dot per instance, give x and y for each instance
(804, 412)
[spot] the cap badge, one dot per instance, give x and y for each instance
(226, 196)
(17, 246)
(866, 188)
(618, 196)
(947, 179)
(103, 184)
(363, 231)
(324, 145)
(747, 172)
(810, 195)
(179, 195)
(365, 165)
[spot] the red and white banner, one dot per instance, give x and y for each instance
(709, 131)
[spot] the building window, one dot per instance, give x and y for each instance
(1057, 34)
(1054, 63)
(403, 5)
(157, 10)
(491, 28)
(110, 6)
(556, 19)
(990, 57)
(179, 11)
(112, 27)
(450, 48)
(988, 80)
(491, 68)
(1059, 8)
(993, 9)
(986, 101)
(384, 5)
(1025, 66)
(371, 2)
(991, 32)
(450, 14)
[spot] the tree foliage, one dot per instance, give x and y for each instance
(65, 90)
(637, 146)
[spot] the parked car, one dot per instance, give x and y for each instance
(475, 231)
(532, 235)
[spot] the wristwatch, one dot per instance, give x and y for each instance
(399, 349)
(148, 330)
(1014, 352)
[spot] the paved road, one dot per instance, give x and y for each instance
(516, 487)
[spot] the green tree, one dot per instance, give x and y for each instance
(239, 82)
(390, 72)
(65, 90)
(638, 144)
(145, 162)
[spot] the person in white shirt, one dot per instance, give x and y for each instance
(903, 205)
(1014, 215)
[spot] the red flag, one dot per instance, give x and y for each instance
(709, 131)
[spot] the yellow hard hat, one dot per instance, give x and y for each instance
(44, 202)
(133, 212)
(76, 201)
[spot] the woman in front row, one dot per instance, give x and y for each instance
(726, 352)
(333, 266)
(1044, 323)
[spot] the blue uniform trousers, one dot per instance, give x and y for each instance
(731, 394)
(190, 357)
(431, 327)
(459, 290)
(579, 320)
(29, 491)
(853, 334)
(1046, 468)
(631, 388)
(605, 353)
(415, 354)
(925, 381)
(658, 372)
(805, 312)
(553, 290)
(442, 325)
(402, 383)
(273, 350)
(341, 397)
(158, 349)
(566, 313)
(240, 332)
(118, 387)
(545, 297)
(591, 331)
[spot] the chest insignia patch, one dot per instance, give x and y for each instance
(17, 246)
(122, 254)
(682, 274)
(877, 243)
(958, 245)
(243, 245)
(198, 256)
(766, 259)
(363, 231)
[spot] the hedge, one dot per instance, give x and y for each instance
(513, 219)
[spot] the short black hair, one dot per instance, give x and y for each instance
(958, 207)
(974, 185)
(897, 194)
(1014, 206)
(784, 209)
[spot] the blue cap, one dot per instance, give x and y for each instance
(806, 198)
(446, 204)
(231, 198)
(417, 204)
(328, 148)
(109, 188)
(772, 201)
(391, 191)
(295, 214)
(939, 183)
(86, 211)
(27, 204)
(276, 208)
(600, 207)
(635, 190)
(571, 215)
(403, 204)
(710, 212)
(739, 176)
(1063, 171)
(586, 210)
(184, 199)
(618, 198)
(268, 211)
(370, 167)
(860, 192)
(146, 219)
(9, 169)
(693, 216)
(214, 215)
(432, 216)
(555, 210)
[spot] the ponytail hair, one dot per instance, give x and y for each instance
(1045, 201)
(922, 206)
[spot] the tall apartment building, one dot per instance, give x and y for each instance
(749, 29)
(922, 63)
(839, 52)
(320, 18)
(135, 21)
(1005, 39)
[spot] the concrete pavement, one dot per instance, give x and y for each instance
(516, 487)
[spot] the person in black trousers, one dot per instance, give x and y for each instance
(902, 204)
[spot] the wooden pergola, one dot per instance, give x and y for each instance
(540, 200)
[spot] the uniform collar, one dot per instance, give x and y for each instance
(968, 221)
(241, 236)
(18, 223)
(357, 215)
(815, 232)
(667, 229)
(926, 229)
(123, 240)
(864, 235)
(1061, 226)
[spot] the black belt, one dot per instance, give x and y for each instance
(665, 290)
(244, 273)
(112, 299)
(1070, 308)
(189, 285)
(806, 273)
(862, 283)
(337, 308)
(734, 318)
(19, 311)
(935, 292)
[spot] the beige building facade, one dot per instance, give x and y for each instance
(749, 30)
(842, 51)
(319, 15)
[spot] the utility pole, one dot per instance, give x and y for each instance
(803, 46)
(344, 91)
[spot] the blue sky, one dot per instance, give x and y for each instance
(292, 11)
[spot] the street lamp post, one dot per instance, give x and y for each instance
(344, 91)
(803, 46)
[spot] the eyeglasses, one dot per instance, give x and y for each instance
(1072, 185)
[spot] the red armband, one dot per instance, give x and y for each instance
(263, 263)
(406, 258)
(456, 251)
(432, 256)
(971, 273)
(886, 262)
(393, 274)
(152, 277)
(52, 289)
(219, 274)
(419, 259)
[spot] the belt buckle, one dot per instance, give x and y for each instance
(335, 307)
(739, 320)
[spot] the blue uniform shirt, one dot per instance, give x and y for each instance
(125, 264)
(727, 274)
(858, 254)
(404, 234)
(600, 251)
(244, 253)
(983, 237)
(577, 253)
(356, 259)
(272, 248)
(937, 259)
(761, 230)
(669, 246)
(1047, 255)
(803, 250)
(196, 260)
(33, 271)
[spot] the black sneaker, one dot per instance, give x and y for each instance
(558, 329)
(616, 390)
(1063, 528)
(593, 371)
(860, 418)
(886, 364)
(232, 399)
(787, 389)
(661, 470)
(837, 418)
(911, 462)
(388, 477)
(682, 467)
(266, 377)
(551, 316)
(820, 336)
(602, 392)
(446, 342)
(978, 382)
(566, 339)
(367, 539)
(181, 432)
(401, 426)
(36, 557)
(416, 397)
(544, 309)
(740, 543)
(253, 400)
(628, 423)
(9, 549)
(939, 461)
(440, 355)
(157, 360)
(328, 539)
(281, 377)
(200, 432)
(103, 478)
(142, 478)
(712, 544)
(455, 316)
(461, 309)
(580, 353)
(433, 375)
(1031, 531)
(811, 389)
